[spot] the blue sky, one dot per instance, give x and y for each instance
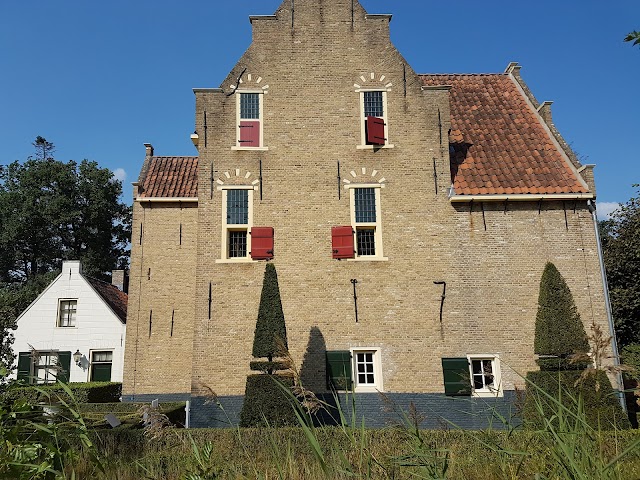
(99, 79)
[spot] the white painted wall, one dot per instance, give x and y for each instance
(97, 326)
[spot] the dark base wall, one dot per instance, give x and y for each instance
(434, 411)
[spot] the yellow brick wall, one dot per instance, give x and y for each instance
(162, 283)
(312, 121)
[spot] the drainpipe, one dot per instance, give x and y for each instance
(605, 286)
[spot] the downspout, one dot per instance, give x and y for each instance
(607, 303)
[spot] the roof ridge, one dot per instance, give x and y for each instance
(462, 74)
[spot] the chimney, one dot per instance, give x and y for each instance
(120, 280)
(545, 111)
(149, 149)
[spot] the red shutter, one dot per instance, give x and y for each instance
(375, 131)
(249, 133)
(261, 243)
(342, 242)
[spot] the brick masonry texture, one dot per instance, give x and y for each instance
(490, 254)
(433, 411)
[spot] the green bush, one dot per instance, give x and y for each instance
(129, 412)
(265, 398)
(271, 333)
(630, 355)
(90, 392)
(601, 406)
(559, 330)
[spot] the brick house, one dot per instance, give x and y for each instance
(435, 199)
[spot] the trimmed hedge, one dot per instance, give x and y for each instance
(271, 332)
(601, 407)
(89, 392)
(128, 413)
(265, 399)
(559, 330)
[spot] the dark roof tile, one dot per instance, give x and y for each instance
(112, 295)
(172, 177)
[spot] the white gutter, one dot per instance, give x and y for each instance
(168, 199)
(607, 302)
(521, 197)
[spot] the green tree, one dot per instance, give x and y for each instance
(265, 399)
(621, 249)
(52, 211)
(559, 330)
(633, 37)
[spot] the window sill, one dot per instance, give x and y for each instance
(367, 389)
(66, 328)
(374, 147)
(368, 259)
(487, 393)
(248, 149)
(236, 260)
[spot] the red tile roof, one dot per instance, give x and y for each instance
(498, 143)
(173, 177)
(111, 294)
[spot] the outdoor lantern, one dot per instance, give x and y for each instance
(77, 357)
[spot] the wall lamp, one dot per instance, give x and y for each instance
(77, 357)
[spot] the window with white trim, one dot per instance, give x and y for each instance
(373, 119)
(476, 374)
(365, 220)
(237, 219)
(67, 310)
(44, 366)
(249, 119)
(367, 370)
(484, 371)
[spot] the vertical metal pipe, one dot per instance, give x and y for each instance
(607, 302)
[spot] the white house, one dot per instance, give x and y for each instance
(75, 329)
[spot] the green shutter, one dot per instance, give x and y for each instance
(64, 361)
(339, 370)
(24, 366)
(457, 380)
(101, 372)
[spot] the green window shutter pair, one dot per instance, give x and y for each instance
(339, 370)
(24, 365)
(457, 381)
(64, 361)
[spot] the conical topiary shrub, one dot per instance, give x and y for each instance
(265, 400)
(561, 343)
(559, 330)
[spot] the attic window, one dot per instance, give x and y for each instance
(67, 313)
(373, 119)
(249, 120)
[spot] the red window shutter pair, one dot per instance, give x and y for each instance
(249, 133)
(375, 131)
(342, 242)
(261, 243)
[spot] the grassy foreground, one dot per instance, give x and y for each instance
(395, 453)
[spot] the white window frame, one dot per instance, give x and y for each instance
(59, 316)
(493, 390)
(52, 369)
(377, 386)
(377, 225)
(363, 120)
(226, 228)
(238, 146)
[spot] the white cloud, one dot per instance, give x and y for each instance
(605, 209)
(120, 174)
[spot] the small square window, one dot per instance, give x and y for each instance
(477, 375)
(367, 369)
(67, 313)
